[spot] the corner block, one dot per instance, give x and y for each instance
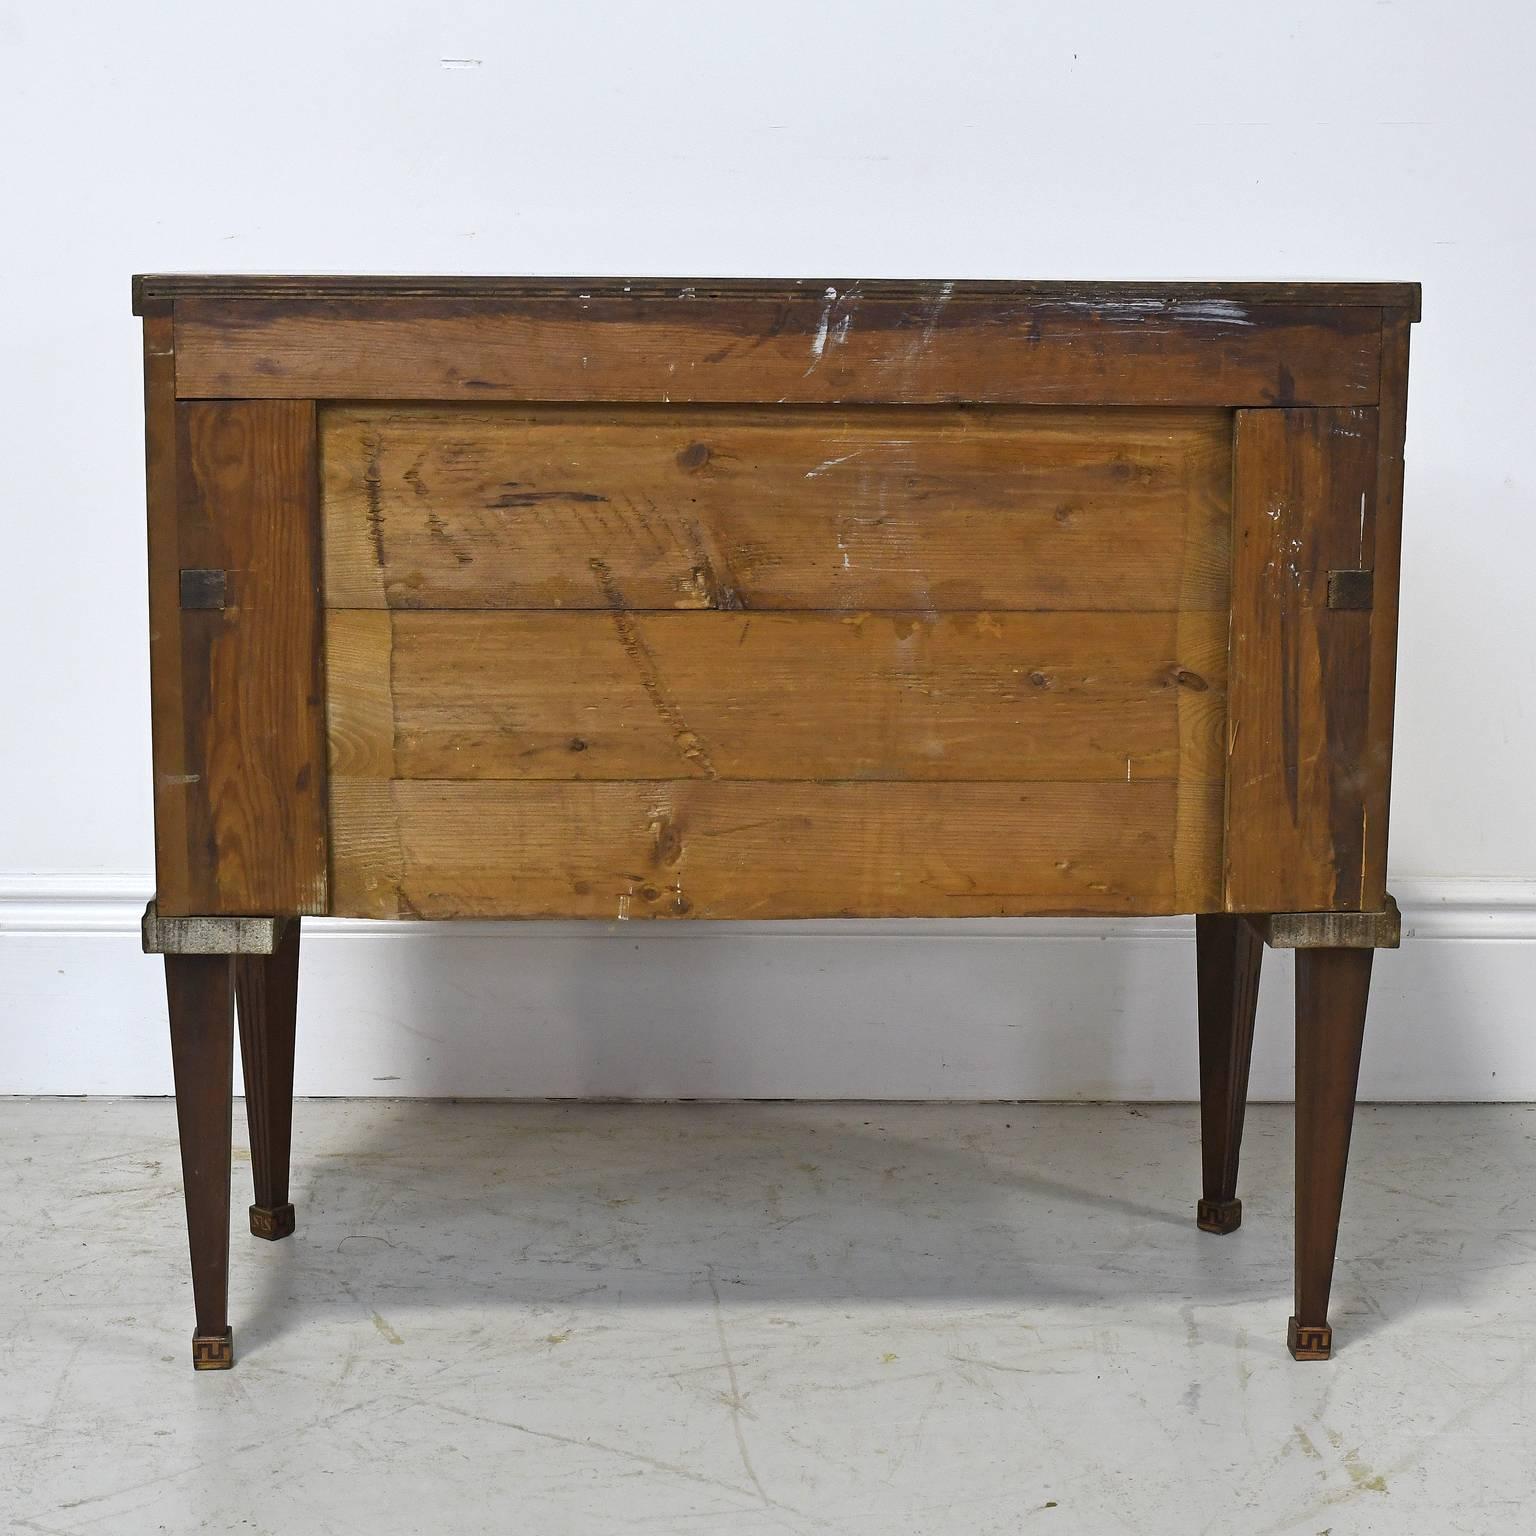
(1331, 930)
(210, 935)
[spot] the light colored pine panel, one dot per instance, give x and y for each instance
(1007, 696)
(713, 849)
(936, 509)
(359, 703)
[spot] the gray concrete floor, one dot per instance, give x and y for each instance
(759, 1318)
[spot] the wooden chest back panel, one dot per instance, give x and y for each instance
(989, 612)
(782, 507)
(745, 599)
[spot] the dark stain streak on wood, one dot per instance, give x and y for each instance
(513, 497)
(374, 487)
(1342, 642)
(713, 571)
(687, 742)
(1290, 704)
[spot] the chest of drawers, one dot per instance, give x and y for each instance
(477, 598)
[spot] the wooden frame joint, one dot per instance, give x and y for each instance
(1331, 930)
(210, 935)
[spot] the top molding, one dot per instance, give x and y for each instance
(154, 290)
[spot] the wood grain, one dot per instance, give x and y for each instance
(937, 343)
(1304, 482)
(252, 686)
(1228, 958)
(1332, 989)
(174, 880)
(1055, 696)
(267, 994)
(201, 1000)
(162, 289)
(932, 508)
(1385, 536)
(714, 849)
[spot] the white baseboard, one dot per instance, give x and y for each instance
(1008, 1009)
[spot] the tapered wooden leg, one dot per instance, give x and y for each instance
(1228, 953)
(267, 991)
(199, 989)
(1332, 986)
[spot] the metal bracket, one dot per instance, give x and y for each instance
(1331, 930)
(210, 935)
(204, 589)
(1351, 589)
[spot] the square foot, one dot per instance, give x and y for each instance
(1219, 1215)
(213, 1351)
(271, 1221)
(1311, 1341)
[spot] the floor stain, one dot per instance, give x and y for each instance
(386, 1331)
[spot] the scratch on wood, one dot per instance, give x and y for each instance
(934, 313)
(688, 742)
(834, 325)
(712, 571)
(827, 464)
(819, 340)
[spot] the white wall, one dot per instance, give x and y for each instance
(1355, 140)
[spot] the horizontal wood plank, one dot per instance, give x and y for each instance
(710, 849)
(782, 507)
(842, 345)
(487, 695)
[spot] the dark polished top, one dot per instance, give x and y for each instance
(152, 289)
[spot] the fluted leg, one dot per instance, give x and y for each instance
(267, 990)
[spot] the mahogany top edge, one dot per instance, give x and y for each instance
(150, 289)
